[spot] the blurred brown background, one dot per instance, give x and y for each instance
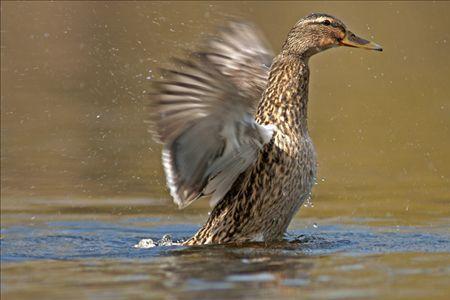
(74, 78)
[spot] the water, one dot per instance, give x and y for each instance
(82, 183)
(98, 258)
(68, 240)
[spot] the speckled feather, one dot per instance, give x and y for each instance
(263, 200)
(233, 129)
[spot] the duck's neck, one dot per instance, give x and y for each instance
(285, 100)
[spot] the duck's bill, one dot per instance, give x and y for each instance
(352, 40)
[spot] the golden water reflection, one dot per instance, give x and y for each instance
(74, 148)
(75, 77)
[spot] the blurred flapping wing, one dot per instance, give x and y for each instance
(203, 114)
(240, 52)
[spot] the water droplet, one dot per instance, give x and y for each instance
(315, 225)
(308, 202)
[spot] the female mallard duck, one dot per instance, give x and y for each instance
(233, 122)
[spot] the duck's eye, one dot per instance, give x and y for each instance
(326, 23)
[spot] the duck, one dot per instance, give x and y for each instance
(232, 119)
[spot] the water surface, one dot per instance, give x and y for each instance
(81, 180)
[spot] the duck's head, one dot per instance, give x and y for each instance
(318, 32)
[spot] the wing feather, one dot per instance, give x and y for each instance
(202, 113)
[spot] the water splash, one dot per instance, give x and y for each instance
(145, 244)
(165, 241)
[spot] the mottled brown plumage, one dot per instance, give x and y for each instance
(259, 164)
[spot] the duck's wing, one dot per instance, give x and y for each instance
(241, 53)
(203, 114)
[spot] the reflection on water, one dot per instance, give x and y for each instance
(81, 181)
(237, 276)
(75, 78)
(329, 261)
